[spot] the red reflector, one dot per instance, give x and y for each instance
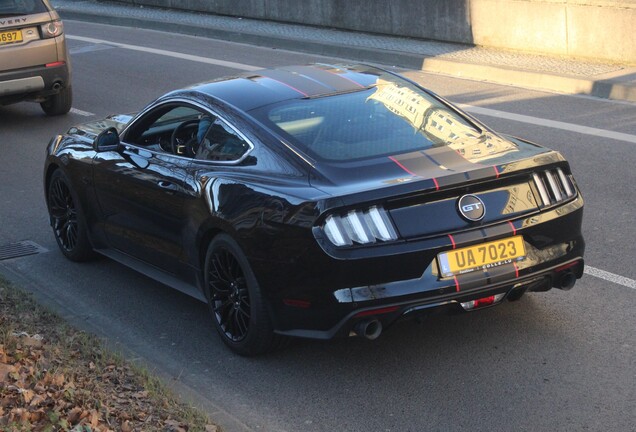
(567, 266)
(377, 311)
(55, 64)
(303, 304)
(484, 301)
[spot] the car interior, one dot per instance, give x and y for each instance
(188, 132)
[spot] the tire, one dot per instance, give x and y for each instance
(67, 219)
(59, 103)
(235, 300)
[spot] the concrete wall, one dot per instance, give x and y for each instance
(594, 29)
(600, 29)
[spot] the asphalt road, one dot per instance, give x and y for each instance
(552, 361)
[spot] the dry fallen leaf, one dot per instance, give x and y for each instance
(27, 395)
(58, 380)
(174, 426)
(36, 401)
(74, 415)
(5, 370)
(94, 418)
(37, 416)
(140, 394)
(31, 341)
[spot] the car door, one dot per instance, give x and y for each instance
(143, 187)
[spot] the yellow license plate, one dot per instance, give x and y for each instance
(7, 37)
(482, 256)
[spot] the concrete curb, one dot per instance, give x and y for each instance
(613, 89)
(606, 89)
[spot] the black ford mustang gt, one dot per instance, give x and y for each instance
(316, 201)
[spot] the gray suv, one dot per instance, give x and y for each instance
(34, 60)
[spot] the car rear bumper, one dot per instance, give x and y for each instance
(402, 285)
(34, 83)
(383, 313)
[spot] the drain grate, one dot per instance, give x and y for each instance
(20, 249)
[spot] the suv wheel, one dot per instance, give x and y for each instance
(59, 103)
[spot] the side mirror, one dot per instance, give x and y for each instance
(107, 140)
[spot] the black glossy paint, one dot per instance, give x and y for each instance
(158, 211)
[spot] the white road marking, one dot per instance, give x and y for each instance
(82, 113)
(174, 54)
(611, 277)
(586, 130)
(592, 271)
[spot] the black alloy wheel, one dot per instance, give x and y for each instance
(235, 300)
(67, 220)
(230, 296)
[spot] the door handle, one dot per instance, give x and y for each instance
(137, 151)
(166, 185)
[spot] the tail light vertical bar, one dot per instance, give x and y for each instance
(545, 197)
(566, 183)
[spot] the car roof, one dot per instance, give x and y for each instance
(251, 90)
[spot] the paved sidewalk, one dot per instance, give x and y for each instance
(612, 81)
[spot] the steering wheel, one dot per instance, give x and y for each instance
(188, 146)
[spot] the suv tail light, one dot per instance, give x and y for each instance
(51, 29)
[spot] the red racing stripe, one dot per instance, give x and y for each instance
(436, 184)
(402, 166)
(514, 230)
(344, 77)
(287, 85)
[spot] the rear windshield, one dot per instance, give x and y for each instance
(21, 7)
(384, 119)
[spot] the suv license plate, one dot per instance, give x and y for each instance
(7, 37)
(481, 256)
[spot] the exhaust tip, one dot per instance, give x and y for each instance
(566, 281)
(369, 329)
(57, 85)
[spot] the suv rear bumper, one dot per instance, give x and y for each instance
(34, 83)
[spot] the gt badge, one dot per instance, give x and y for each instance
(471, 208)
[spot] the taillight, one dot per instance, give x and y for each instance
(554, 186)
(51, 29)
(362, 227)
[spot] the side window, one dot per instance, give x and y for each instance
(221, 143)
(171, 128)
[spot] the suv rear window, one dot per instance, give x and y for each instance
(386, 118)
(21, 7)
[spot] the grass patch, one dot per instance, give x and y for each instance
(56, 378)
